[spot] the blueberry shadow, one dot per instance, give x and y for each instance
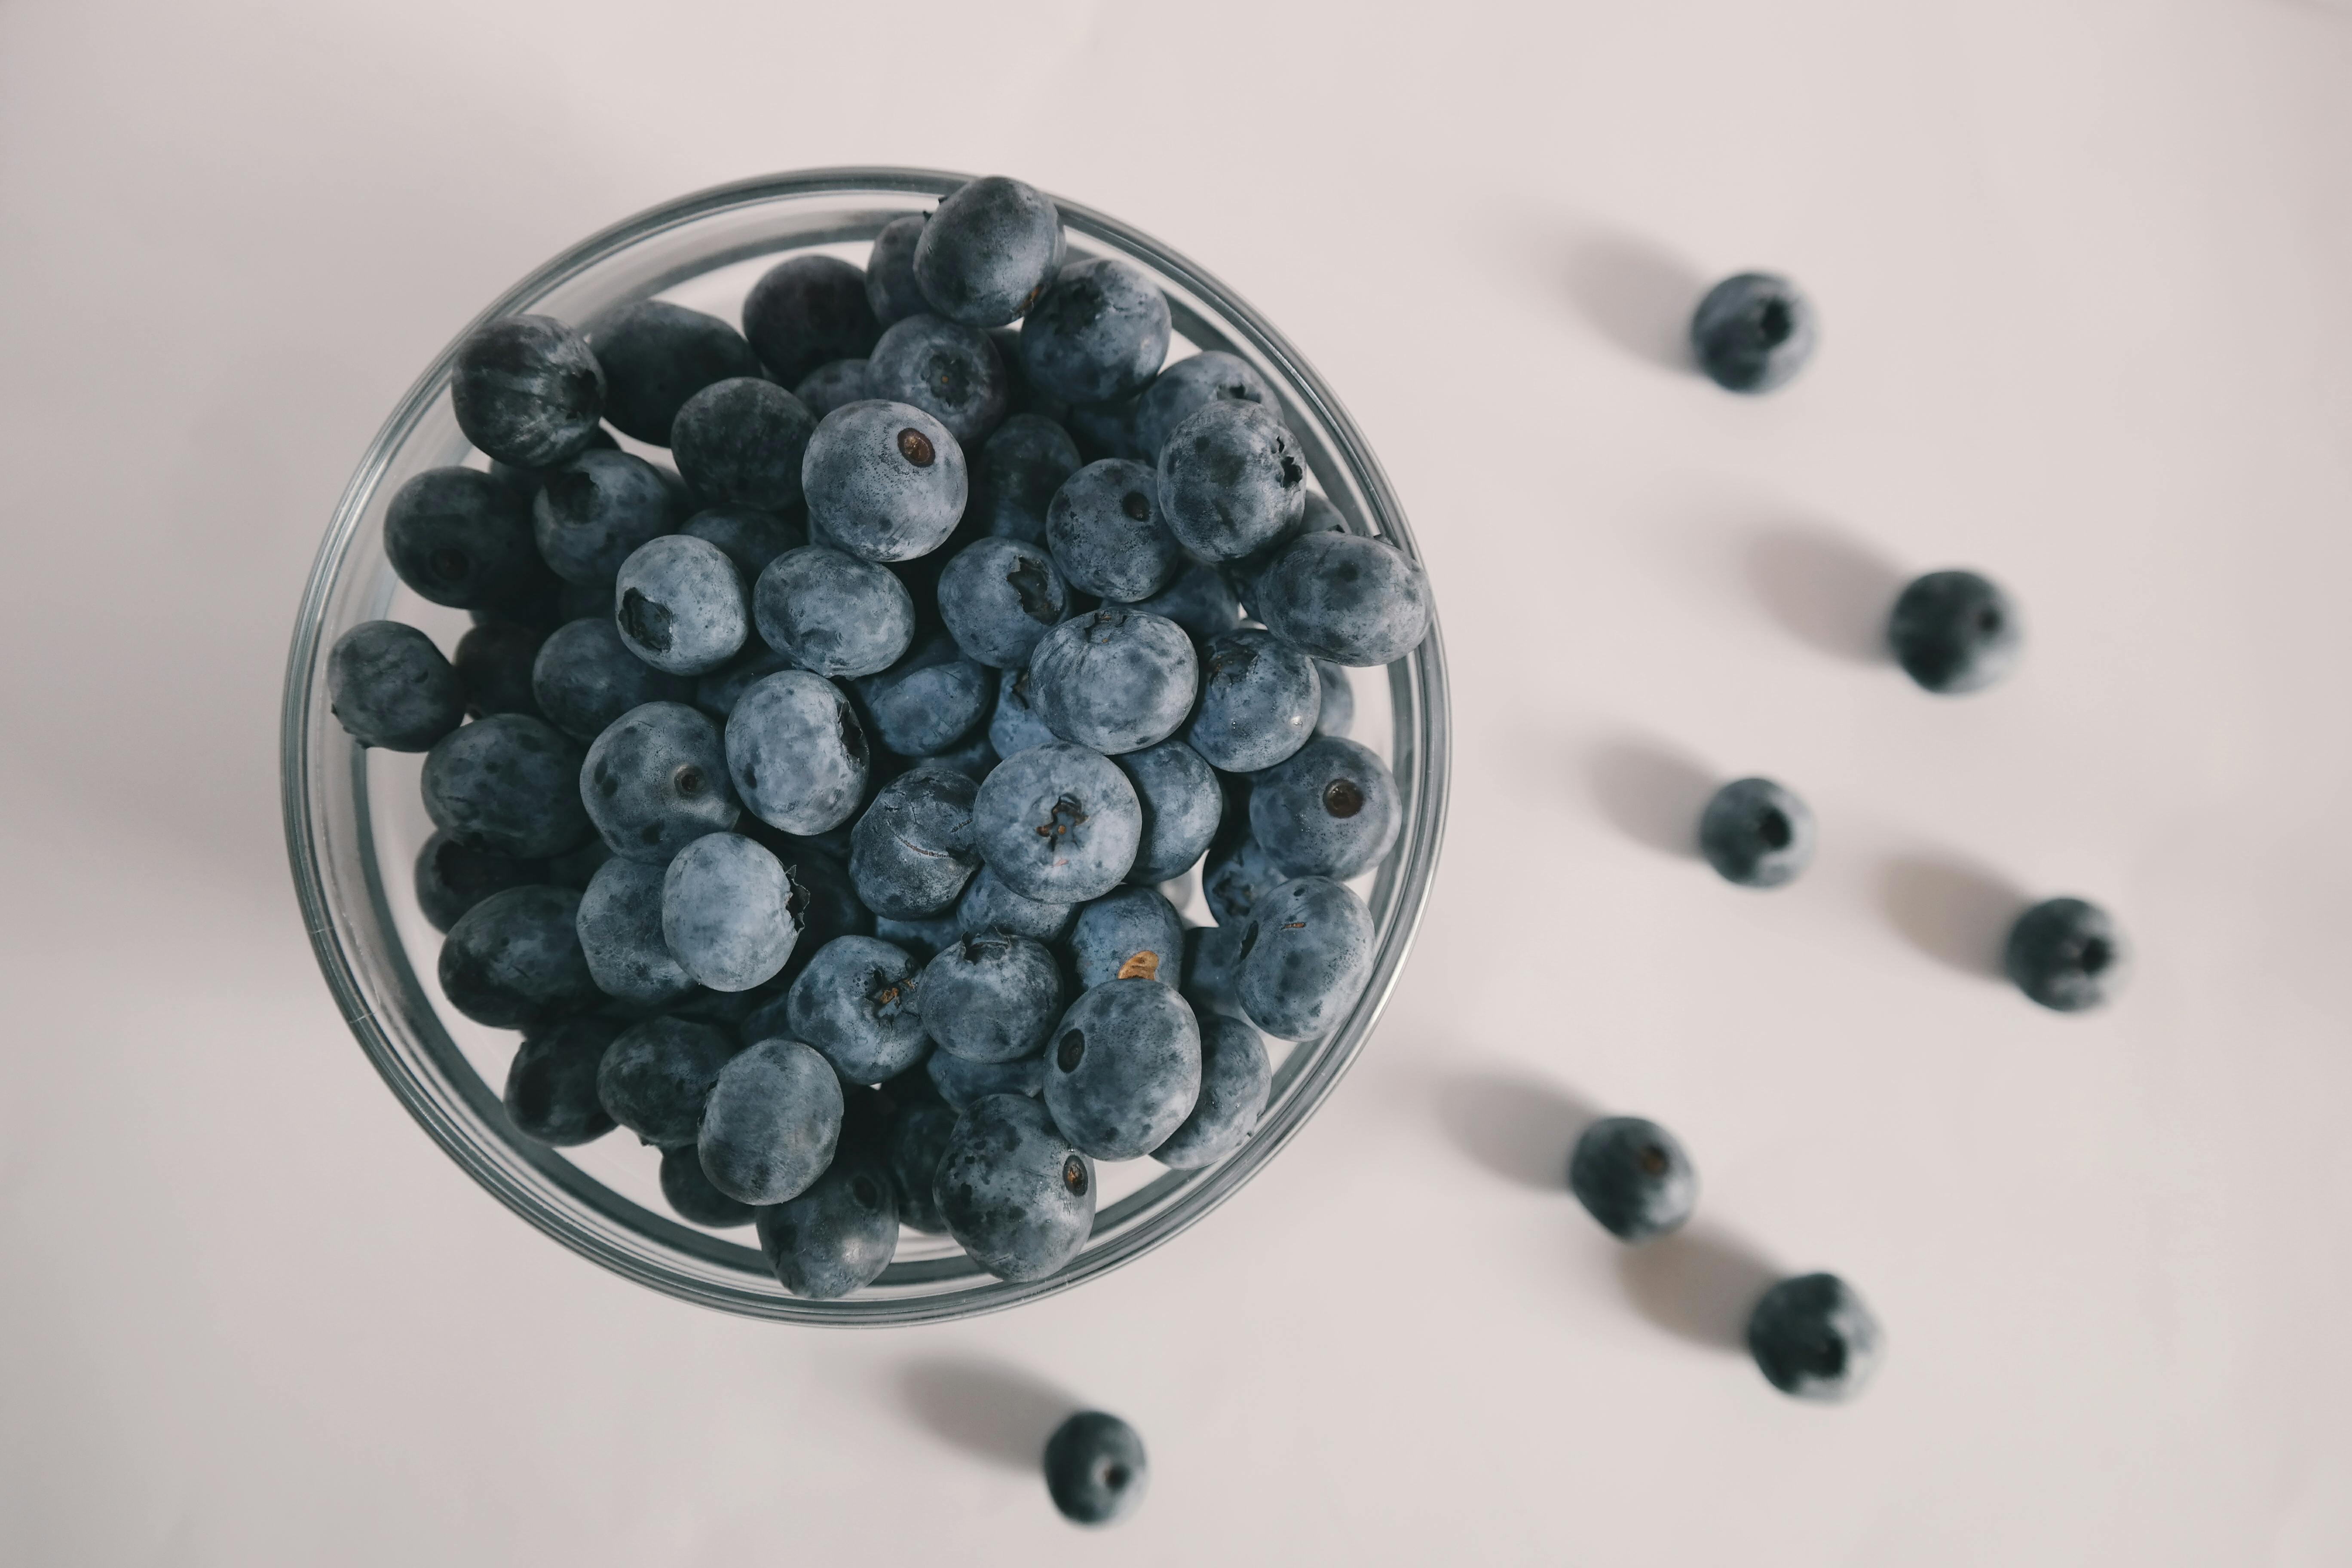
(1828, 591)
(1518, 1127)
(990, 1410)
(1651, 793)
(1636, 294)
(1698, 1283)
(1957, 913)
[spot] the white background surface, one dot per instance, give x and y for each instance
(2083, 274)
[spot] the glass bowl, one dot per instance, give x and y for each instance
(354, 822)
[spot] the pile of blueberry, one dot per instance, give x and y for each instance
(811, 815)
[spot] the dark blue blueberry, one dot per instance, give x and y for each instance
(806, 311)
(1099, 333)
(924, 939)
(1954, 632)
(2066, 954)
(1318, 516)
(1340, 596)
(989, 251)
(770, 1123)
(1213, 969)
(1337, 715)
(833, 613)
(1199, 599)
(1259, 701)
(689, 1192)
(1812, 1338)
(718, 692)
(459, 538)
(1123, 1068)
(1236, 875)
(949, 371)
(1016, 1195)
(1757, 834)
(885, 481)
(918, 1138)
(453, 875)
(1027, 396)
(389, 686)
(1752, 333)
(860, 1002)
(891, 291)
(1304, 958)
(727, 912)
(973, 757)
(527, 390)
(621, 935)
(1185, 387)
(550, 1093)
(912, 851)
(586, 676)
(597, 510)
(988, 905)
(1104, 429)
(1057, 823)
(1232, 481)
(998, 597)
(1235, 1082)
(1181, 806)
(1094, 1468)
(1106, 532)
(493, 662)
(1633, 1177)
(656, 355)
(1129, 933)
(962, 1083)
(751, 538)
(656, 1076)
(1014, 725)
(992, 998)
(575, 868)
(510, 781)
(836, 384)
(929, 701)
(1331, 810)
(514, 959)
(838, 1236)
(680, 606)
(655, 780)
(741, 441)
(1116, 680)
(1015, 473)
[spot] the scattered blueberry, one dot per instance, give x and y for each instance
(1812, 1338)
(1341, 597)
(680, 606)
(1099, 333)
(1230, 480)
(459, 538)
(727, 912)
(989, 252)
(1014, 725)
(620, 925)
(1183, 388)
(1199, 599)
(1016, 1195)
(1331, 810)
(2066, 954)
(655, 780)
(860, 1002)
(1181, 806)
(741, 441)
(389, 687)
(1633, 1177)
(1106, 532)
(1235, 875)
(962, 1081)
(494, 663)
(689, 1192)
(926, 702)
(510, 781)
(1235, 1082)
(835, 384)
(1337, 715)
(1259, 701)
(918, 1138)
(992, 998)
(988, 905)
(998, 597)
(1095, 1469)
(806, 311)
(833, 613)
(514, 959)
(949, 370)
(1752, 333)
(913, 849)
(1954, 632)
(597, 509)
(656, 1076)
(891, 291)
(1057, 823)
(1015, 476)
(1123, 1068)
(1757, 834)
(551, 1092)
(770, 1123)
(718, 692)
(453, 875)
(655, 356)
(1304, 958)
(1128, 933)
(586, 676)
(528, 391)
(838, 1236)
(885, 481)
(1116, 680)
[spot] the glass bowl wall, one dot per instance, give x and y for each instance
(353, 820)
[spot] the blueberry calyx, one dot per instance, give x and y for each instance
(1144, 966)
(449, 564)
(1134, 504)
(863, 1189)
(1072, 1050)
(1344, 797)
(688, 780)
(645, 621)
(1066, 815)
(1074, 1176)
(916, 448)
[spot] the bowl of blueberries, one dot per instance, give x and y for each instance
(865, 746)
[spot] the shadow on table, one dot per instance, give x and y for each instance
(1830, 592)
(1956, 912)
(1698, 1283)
(1651, 793)
(989, 1409)
(1518, 1126)
(1635, 293)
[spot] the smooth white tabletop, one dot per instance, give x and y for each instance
(2085, 276)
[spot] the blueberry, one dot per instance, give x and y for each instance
(2066, 954)
(1812, 1338)
(1236, 875)
(770, 1122)
(1340, 596)
(1752, 333)
(689, 1192)
(657, 356)
(833, 385)
(1128, 933)
(493, 663)
(727, 912)
(550, 1093)
(926, 702)
(988, 905)
(595, 510)
(989, 252)
(992, 998)
(1757, 834)
(1336, 714)
(1236, 1080)
(838, 1236)
(510, 781)
(1099, 333)
(1106, 532)
(1213, 971)
(924, 939)
(1954, 632)
(973, 757)
(913, 849)
(832, 613)
(1104, 429)
(1015, 473)
(741, 441)
(1123, 1068)
(1331, 810)
(680, 606)
(1016, 1195)
(1259, 701)
(620, 925)
(949, 371)
(527, 390)
(1116, 680)
(656, 1076)
(891, 291)
(1633, 1177)
(586, 676)
(459, 538)
(390, 687)
(1230, 480)
(917, 1139)
(1304, 958)
(961, 1082)
(806, 311)
(718, 692)
(885, 481)
(453, 875)
(1094, 1468)
(1199, 599)
(1181, 806)
(514, 959)
(655, 780)
(860, 1002)
(998, 597)
(1057, 823)
(1014, 725)
(1183, 388)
